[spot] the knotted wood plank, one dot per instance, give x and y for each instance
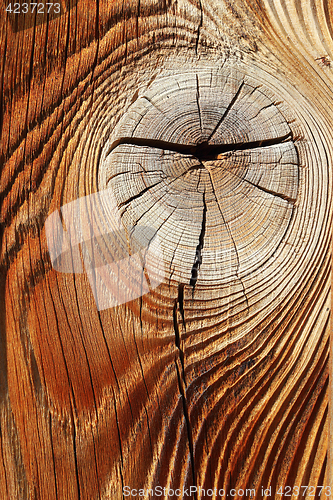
(210, 124)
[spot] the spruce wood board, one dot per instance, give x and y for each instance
(210, 122)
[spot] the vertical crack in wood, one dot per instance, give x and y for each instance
(199, 27)
(179, 301)
(142, 372)
(114, 400)
(53, 456)
(31, 65)
(188, 424)
(119, 439)
(179, 360)
(93, 80)
(198, 102)
(137, 20)
(76, 461)
(121, 467)
(198, 254)
(174, 253)
(2, 79)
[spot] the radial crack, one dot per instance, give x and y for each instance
(232, 102)
(152, 103)
(232, 239)
(273, 193)
(174, 253)
(199, 27)
(265, 190)
(134, 197)
(145, 213)
(198, 256)
(198, 103)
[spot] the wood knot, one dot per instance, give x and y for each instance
(209, 161)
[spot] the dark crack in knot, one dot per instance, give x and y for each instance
(198, 251)
(203, 151)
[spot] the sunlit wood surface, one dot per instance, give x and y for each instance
(211, 122)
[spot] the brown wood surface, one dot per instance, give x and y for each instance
(219, 376)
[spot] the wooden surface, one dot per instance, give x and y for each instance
(211, 121)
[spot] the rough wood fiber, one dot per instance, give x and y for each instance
(211, 121)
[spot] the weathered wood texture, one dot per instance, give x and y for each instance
(219, 376)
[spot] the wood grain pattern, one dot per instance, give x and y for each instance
(211, 123)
